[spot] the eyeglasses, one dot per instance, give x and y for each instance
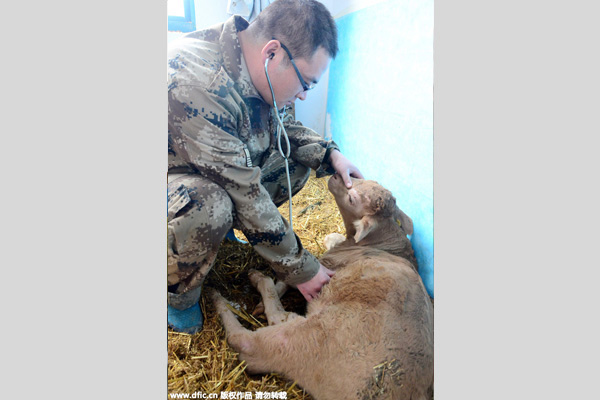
(304, 85)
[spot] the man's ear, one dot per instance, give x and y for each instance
(404, 221)
(269, 49)
(363, 227)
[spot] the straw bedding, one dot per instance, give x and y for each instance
(204, 362)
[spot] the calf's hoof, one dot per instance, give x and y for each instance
(255, 277)
(214, 295)
(332, 240)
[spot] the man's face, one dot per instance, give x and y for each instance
(285, 81)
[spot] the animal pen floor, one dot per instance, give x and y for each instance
(204, 362)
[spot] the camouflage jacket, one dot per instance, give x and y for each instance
(220, 127)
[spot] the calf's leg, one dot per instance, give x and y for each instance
(238, 337)
(255, 348)
(281, 287)
(274, 311)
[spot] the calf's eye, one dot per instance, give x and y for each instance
(350, 199)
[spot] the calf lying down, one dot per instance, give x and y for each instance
(369, 334)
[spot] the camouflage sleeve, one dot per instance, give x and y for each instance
(202, 122)
(309, 148)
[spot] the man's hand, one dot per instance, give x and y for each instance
(310, 289)
(344, 168)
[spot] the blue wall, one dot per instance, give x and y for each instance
(380, 106)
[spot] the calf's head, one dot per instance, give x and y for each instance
(366, 206)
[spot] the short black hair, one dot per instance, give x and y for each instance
(301, 25)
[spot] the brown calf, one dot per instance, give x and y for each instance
(369, 334)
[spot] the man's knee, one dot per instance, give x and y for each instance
(196, 230)
(219, 208)
(209, 207)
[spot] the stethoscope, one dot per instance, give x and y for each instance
(281, 128)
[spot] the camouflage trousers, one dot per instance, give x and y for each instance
(200, 214)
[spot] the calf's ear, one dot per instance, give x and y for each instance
(363, 227)
(404, 221)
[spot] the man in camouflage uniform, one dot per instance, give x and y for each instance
(225, 169)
